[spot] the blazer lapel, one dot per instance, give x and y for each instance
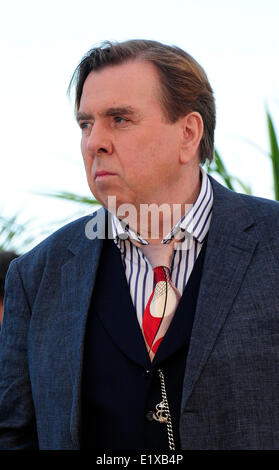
(116, 311)
(77, 281)
(230, 247)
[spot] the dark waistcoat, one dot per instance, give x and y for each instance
(120, 386)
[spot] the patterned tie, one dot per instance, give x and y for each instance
(159, 310)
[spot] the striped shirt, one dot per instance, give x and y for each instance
(138, 269)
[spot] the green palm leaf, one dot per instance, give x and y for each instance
(218, 167)
(13, 234)
(68, 196)
(274, 154)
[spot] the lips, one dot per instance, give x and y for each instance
(101, 173)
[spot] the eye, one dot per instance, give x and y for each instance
(120, 120)
(84, 125)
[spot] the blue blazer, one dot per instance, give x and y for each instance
(230, 396)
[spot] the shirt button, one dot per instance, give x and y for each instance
(149, 416)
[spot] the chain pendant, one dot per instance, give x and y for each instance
(161, 414)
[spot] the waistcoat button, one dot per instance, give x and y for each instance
(147, 373)
(149, 416)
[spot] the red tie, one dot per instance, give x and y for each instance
(159, 310)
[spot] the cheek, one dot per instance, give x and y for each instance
(87, 160)
(88, 163)
(140, 152)
(86, 166)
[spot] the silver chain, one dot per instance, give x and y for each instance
(162, 413)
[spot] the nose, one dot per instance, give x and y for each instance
(99, 142)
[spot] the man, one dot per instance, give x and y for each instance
(5, 258)
(120, 333)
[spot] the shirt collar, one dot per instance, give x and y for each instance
(195, 223)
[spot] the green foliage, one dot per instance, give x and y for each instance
(13, 234)
(274, 154)
(74, 198)
(218, 167)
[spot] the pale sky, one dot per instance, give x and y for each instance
(41, 42)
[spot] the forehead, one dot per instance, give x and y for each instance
(135, 83)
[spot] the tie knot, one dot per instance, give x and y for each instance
(161, 273)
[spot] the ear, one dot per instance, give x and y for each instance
(192, 132)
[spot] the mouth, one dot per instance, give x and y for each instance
(100, 174)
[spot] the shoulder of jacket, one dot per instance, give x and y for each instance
(53, 250)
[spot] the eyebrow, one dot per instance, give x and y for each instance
(126, 110)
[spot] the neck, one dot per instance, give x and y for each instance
(154, 221)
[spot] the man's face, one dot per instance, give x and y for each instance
(130, 151)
